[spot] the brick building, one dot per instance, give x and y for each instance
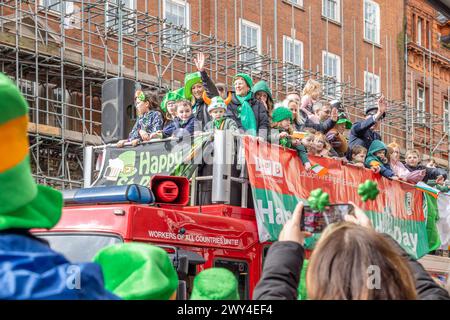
(428, 78)
(60, 52)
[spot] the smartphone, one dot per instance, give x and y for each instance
(315, 222)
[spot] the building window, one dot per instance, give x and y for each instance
(372, 21)
(372, 87)
(176, 12)
(124, 8)
(420, 105)
(250, 38)
(331, 66)
(292, 54)
(296, 2)
(55, 5)
(332, 9)
(446, 117)
(419, 32)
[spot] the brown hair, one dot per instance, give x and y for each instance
(183, 103)
(346, 258)
(152, 99)
(357, 150)
(277, 124)
(311, 88)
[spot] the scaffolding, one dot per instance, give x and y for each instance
(59, 53)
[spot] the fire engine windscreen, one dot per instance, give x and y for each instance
(315, 222)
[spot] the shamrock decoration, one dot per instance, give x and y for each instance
(318, 200)
(141, 96)
(368, 190)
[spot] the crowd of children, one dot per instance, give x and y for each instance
(303, 123)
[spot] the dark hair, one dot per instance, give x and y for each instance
(149, 97)
(357, 150)
(347, 257)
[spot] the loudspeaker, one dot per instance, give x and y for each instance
(118, 112)
(170, 190)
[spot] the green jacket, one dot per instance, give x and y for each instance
(274, 137)
(262, 86)
(372, 160)
(228, 124)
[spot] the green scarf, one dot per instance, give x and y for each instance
(245, 113)
(218, 123)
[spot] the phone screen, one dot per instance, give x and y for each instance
(315, 222)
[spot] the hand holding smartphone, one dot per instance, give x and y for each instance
(315, 222)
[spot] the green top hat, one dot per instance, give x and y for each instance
(246, 78)
(215, 284)
(172, 96)
(138, 271)
(23, 204)
(343, 119)
(281, 113)
(189, 81)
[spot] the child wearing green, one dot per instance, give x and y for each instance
(281, 131)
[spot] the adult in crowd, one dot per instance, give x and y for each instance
(325, 118)
(29, 268)
(249, 113)
(194, 85)
(342, 265)
(261, 92)
(363, 133)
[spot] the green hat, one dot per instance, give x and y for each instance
(23, 203)
(262, 86)
(172, 96)
(246, 77)
(343, 119)
(189, 81)
(138, 271)
(215, 284)
(281, 113)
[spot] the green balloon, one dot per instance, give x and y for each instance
(368, 190)
(318, 200)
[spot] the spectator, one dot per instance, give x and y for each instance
(363, 133)
(29, 268)
(216, 109)
(377, 159)
(293, 106)
(138, 271)
(281, 134)
(358, 156)
(183, 124)
(168, 105)
(261, 92)
(341, 259)
(432, 175)
(308, 138)
(311, 94)
(324, 120)
(249, 114)
(431, 163)
(215, 284)
(320, 146)
(399, 168)
(194, 85)
(149, 119)
(222, 89)
(336, 136)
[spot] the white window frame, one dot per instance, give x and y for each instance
(45, 4)
(126, 8)
(376, 89)
(326, 54)
(446, 115)
(296, 2)
(187, 11)
(420, 104)
(293, 42)
(337, 16)
(419, 31)
(258, 37)
(377, 21)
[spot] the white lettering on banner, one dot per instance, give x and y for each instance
(404, 238)
(268, 167)
(193, 238)
(278, 216)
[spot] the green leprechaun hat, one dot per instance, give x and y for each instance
(215, 284)
(23, 203)
(138, 271)
(189, 81)
(172, 96)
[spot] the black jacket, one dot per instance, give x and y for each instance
(261, 115)
(284, 261)
(362, 135)
(323, 127)
(201, 114)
